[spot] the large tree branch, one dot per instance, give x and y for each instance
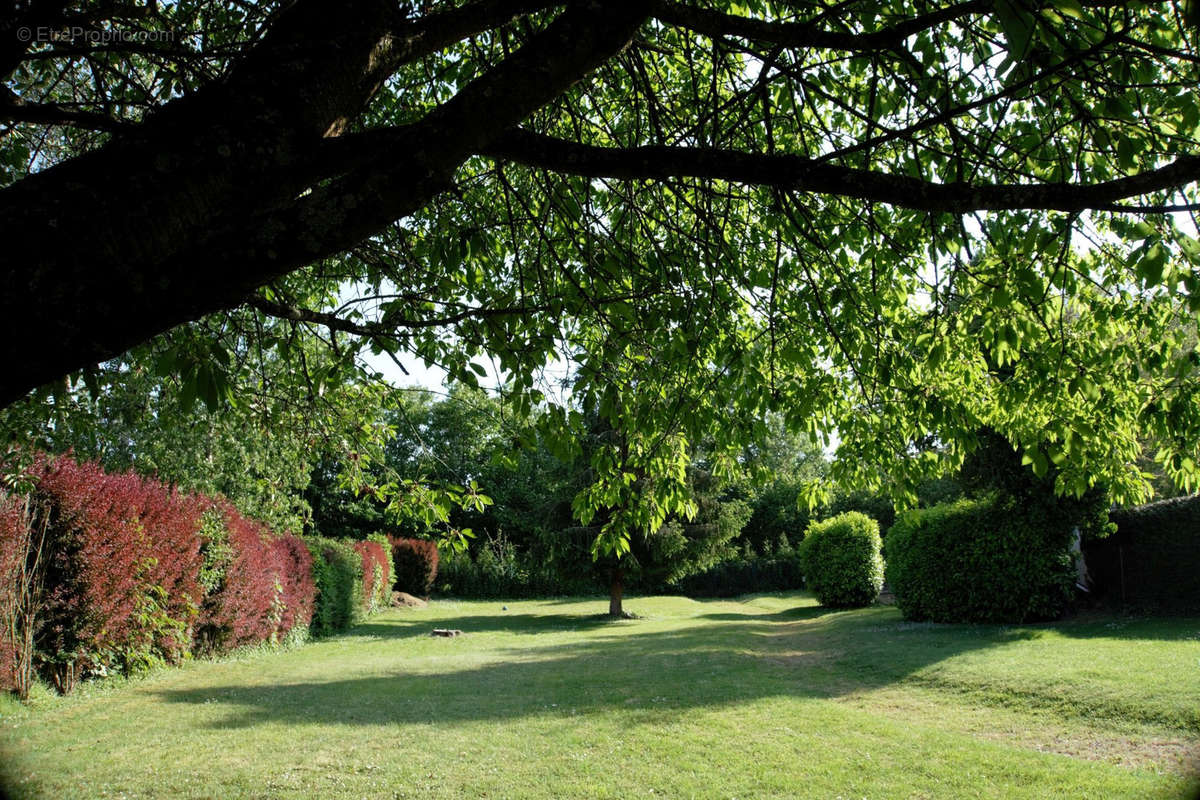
(226, 190)
(12, 110)
(384, 188)
(795, 173)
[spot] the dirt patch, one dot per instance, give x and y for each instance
(406, 600)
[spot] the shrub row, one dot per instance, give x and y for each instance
(103, 572)
(378, 573)
(745, 576)
(256, 586)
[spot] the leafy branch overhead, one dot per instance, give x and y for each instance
(904, 222)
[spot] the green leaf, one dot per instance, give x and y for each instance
(1068, 8)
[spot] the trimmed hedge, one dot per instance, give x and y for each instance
(262, 583)
(416, 564)
(841, 560)
(337, 570)
(996, 559)
(131, 573)
(120, 568)
(377, 574)
(1153, 560)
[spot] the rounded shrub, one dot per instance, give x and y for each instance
(994, 559)
(841, 560)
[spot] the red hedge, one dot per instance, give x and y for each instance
(121, 574)
(121, 571)
(375, 596)
(268, 587)
(11, 553)
(416, 565)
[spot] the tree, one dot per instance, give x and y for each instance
(256, 432)
(902, 222)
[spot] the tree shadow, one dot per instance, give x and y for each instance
(659, 675)
(1091, 624)
(795, 613)
(405, 628)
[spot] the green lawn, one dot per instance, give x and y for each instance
(766, 697)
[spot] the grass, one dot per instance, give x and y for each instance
(769, 696)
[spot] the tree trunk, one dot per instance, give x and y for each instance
(616, 589)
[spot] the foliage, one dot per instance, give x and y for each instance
(119, 564)
(1153, 560)
(376, 574)
(841, 560)
(777, 516)
(252, 445)
(416, 562)
(778, 573)
(497, 569)
(1001, 558)
(965, 224)
(267, 589)
(337, 572)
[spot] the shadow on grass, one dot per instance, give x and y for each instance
(1108, 625)
(799, 652)
(482, 623)
(787, 614)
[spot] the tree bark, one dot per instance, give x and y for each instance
(616, 589)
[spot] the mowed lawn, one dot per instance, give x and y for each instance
(769, 696)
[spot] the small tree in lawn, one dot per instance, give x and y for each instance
(638, 483)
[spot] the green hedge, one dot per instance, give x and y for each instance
(841, 560)
(1153, 560)
(338, 574)
(745, 576)
(996, 559)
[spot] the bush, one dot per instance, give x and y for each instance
(337, 570)
(101, 572)
(745, 576)
(416, 563)
(294, 565)
(18, 550)
(996, 559)
(377, 575)
(120, 566)
(260, 584)
(1153, 560)
(841, 560)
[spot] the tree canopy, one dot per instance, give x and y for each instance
(901, 221)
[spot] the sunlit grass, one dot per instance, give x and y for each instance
(767, 697)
